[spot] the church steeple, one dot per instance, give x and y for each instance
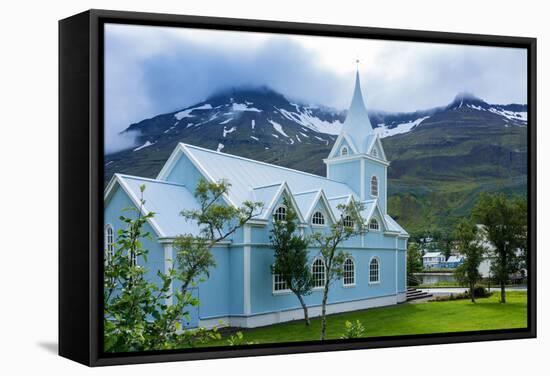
(357, 125)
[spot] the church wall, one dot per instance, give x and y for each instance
(375, 169)
(264, 299)
(184, 172)
(113, 210)
(347, 172)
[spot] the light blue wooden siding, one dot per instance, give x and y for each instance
(375, 169)
(347, 172)
(112, 212)
(402, 271)
(263, 299)
(184, 172)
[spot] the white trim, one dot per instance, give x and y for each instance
(385, 190)
(247, 236)
(396, 267)
(362, 194)
(353, 157)
(270, 318)
(168, 264)
(278, 292)
(334, 152)
(134, 199)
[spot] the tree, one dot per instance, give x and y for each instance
(136, 316)
(347, 226)
(414, 261)
(504, 222)
(470, 245)
(216, 221)
(291, 256)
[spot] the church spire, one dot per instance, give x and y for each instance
(357, 125)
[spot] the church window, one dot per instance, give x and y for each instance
(374, 270)
(348, 221)
(318, 273)
(318, 219)
(373, 224)
(109, 243)
(349, 272)
(279, 284)
(344, 151)
(374, 186)
(280, 214)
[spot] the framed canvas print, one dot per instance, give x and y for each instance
(240, 187)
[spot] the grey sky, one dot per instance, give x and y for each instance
(152, 70)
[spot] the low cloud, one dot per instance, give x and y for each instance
(153, 70)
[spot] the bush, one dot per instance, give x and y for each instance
(479, 292)
(353, 330)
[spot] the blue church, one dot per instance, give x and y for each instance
(241, 291)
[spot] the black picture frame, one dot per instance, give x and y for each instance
(81, 177)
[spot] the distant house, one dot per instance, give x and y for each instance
(433, 259)
(453, 261)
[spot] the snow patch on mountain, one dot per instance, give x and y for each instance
(220, 147)
(253, 123)
(226, 121)
(521, 116)
(241, 107)
(278, 128)
(145, 145)
(187, 113)
(306, 119)
(383, 131)
(227, 131)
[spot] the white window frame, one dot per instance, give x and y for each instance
(377, 259)
(371, 222)
(347, 221)
(353, 271)
(319, 258)
(281, 291)
(276, 210)
(374, 178)
(318, 224)
(109, 245)
(344, 151)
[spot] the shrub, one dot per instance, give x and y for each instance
(353, 330)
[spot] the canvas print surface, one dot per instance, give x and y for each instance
(274, 188)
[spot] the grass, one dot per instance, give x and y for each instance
(421, 318)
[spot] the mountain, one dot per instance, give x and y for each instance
(441, 158)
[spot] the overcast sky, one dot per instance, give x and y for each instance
(153, 70)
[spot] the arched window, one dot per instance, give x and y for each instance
(375, 152)
(374, 186)
(374, 270)
(109, 242)
(373, 224)
(318, 218)
(280, 214)
(318, 273)
(348, 221)
(349, 272)
(344, 151)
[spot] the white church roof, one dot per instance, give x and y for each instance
(357, 125)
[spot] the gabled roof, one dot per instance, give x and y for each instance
(165, 199)
(373, 140)
(244, 174)
(270, 195)
(433, 254)
(308, 200)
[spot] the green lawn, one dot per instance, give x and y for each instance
(420, 318)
